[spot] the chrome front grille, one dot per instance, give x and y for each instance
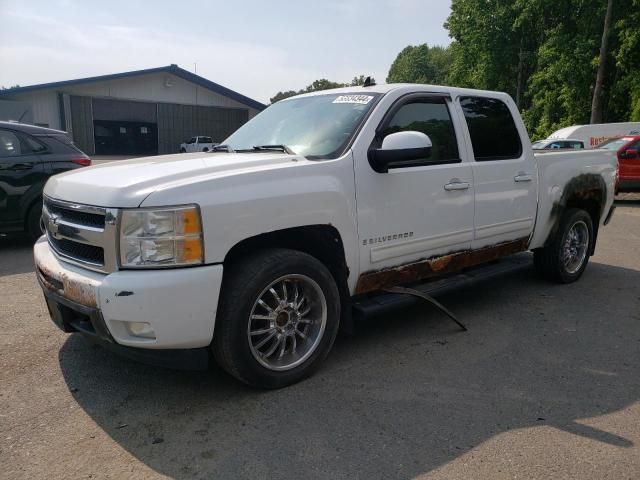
(95, 220)
(82, 234)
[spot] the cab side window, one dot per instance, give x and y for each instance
(494, 135)
(431, 117)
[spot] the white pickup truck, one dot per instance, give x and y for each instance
(256, 252)
(197, 144)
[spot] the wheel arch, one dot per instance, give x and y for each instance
(322, 242)
(587, 192)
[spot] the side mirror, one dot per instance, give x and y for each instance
(630, 154)
(400, 148)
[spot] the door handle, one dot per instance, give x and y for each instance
(523, 177)
(16, 166)
(456, 184)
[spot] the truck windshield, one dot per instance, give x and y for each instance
(316, 127)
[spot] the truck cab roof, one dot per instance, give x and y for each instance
(409, 88)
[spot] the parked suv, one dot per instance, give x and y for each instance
(29, 155)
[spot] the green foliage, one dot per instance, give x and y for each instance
(358, 81)
(627, 89)
(421, 64)
(321, 84)
(544, 53)
(486, 46)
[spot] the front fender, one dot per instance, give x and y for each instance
(254, 202)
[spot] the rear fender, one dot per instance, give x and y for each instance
(587, 192)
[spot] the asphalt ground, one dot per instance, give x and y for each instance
(545, 384)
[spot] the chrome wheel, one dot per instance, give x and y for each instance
(287, 322)
(574, 250)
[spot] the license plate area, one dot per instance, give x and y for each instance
(68, 319)
(57, 315)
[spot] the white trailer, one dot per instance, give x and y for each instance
(594, 135)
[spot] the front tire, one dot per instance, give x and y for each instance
(565, 259)
(183, 150)
(278, 318)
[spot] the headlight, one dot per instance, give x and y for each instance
(167, 237)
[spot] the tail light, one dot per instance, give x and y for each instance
(81, 160)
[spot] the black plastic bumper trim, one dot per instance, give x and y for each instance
(72, 317)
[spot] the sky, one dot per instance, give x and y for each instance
(254, 47)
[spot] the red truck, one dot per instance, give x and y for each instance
(628, 150)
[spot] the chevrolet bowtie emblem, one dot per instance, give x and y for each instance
(52, 225)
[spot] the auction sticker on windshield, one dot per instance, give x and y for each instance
(359, 99)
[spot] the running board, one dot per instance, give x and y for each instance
(385, 302)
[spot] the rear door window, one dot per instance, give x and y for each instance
(493, 132)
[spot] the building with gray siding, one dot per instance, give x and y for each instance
(143, 112)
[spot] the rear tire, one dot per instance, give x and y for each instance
(34, 221)
(285, 341)
(183, 150)
(565, 258)
(205, 149)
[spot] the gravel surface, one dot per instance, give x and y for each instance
(545, 384)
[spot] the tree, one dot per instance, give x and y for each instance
(317, 85)
(358, 81)
(420, 64)
(596, 106)
(494, 43)
(282, 95)
(625, 94)
(323, 84)
(547, 54)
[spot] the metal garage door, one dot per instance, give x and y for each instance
(82, 123)
(177, 123)
(124, 127)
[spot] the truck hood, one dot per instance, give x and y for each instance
(126, 183)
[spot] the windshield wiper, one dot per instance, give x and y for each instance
(223, 148)
(282, 148)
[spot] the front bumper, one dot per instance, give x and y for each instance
(179, 304)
